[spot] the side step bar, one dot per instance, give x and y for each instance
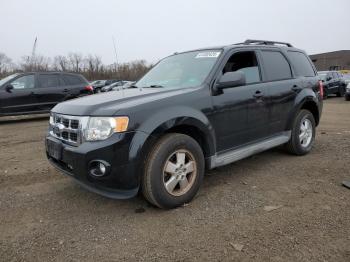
(240, 153)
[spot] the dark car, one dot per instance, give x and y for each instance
(38, 92)
(192, 111)
(99, 84)
(333, 83)
(347, 90)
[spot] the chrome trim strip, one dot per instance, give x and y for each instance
(238, 154)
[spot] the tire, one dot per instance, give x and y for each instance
(347, 97)
(296, 145)
(341, 91)
(166, 155)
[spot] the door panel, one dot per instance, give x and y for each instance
(52, 90)
(241, 113)
(21, 98)
(229, 117)
(282, 97)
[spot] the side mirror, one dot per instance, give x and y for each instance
(9, 87)
(231, 79)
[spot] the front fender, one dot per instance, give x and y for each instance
(168, 118)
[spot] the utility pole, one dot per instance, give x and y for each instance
(32, 58)
(116, 56)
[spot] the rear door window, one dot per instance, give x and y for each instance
(276, 66)
(49, 81)
(301, 63)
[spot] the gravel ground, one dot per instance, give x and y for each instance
(269, 207)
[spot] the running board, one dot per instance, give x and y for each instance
(238, 154)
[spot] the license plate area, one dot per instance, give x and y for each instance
(54, 149)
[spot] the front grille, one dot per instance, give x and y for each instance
(66, 128)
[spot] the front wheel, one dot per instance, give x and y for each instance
(173, 171)
(303, 133)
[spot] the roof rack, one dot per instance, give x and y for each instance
(263, 42)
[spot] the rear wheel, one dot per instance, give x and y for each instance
(303, 133)
(347, 97)
(173, 171)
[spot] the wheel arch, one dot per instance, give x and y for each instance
(182, 120)
(309, 103)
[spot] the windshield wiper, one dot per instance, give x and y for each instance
(133, 86)
(154, 86)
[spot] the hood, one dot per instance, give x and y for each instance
(106, 104)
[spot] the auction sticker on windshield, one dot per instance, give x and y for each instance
(208, 55)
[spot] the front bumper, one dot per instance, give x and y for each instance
(121, 182)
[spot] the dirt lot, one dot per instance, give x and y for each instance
(45, 216)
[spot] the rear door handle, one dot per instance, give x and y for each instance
(296, 88)
(258, 94)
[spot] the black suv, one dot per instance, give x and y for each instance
(193, 111)
(31, 93)
(333, 83)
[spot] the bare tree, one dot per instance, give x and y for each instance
(90, 66)
(38, 63)
(5, 63)
(76, 62)
(60, 63)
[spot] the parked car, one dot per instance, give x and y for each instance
(126, 84)
(346, 78)
(111, 86)
(38, 92)
(347, 93)
(193, 111)
(99, 84)
(333, 83)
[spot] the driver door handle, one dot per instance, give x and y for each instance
(258, 94)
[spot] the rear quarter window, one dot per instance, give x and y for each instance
(73, 79)
(276, 66)
(301, 64)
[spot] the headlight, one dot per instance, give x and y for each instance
(100, 128)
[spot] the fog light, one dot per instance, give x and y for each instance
(98, 168)
(102, 168)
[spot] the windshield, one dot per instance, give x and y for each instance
(181, 70)
(8, 78)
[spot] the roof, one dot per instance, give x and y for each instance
(247, 43)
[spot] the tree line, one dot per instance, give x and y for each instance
(91, 66)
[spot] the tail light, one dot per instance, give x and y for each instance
(320, 86)
(89, 88)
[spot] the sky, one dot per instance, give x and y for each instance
(153, 29)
